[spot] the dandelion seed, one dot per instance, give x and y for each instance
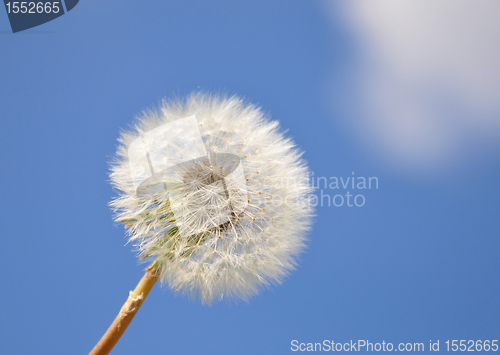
(183, 184)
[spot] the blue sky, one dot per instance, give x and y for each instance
(418, 262)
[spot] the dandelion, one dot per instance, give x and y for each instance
(214, 195)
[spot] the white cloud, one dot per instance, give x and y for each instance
(429, 75)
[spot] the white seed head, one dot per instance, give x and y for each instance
(213, 192)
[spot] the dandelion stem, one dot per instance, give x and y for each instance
(127, 313)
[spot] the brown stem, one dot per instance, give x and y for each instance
(127, 313)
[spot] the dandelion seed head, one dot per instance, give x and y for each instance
(212, 191)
